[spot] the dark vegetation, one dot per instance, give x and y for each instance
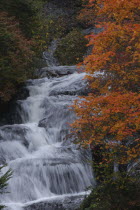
(20, 24)
(64, 25)
(122, 193)
(4, 182)
(26, 29)
(66, 51)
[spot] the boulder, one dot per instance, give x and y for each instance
(62, 203)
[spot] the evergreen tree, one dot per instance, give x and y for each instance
(4, 181)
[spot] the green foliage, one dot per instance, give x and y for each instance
(4, 182)
(23, 11)
(71, 48)
(119, 193)
(48, 29)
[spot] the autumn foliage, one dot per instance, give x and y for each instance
(20, 27)
(16, 55)
(110, 115)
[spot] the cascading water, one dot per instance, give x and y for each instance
(48, 55)
(46, 167)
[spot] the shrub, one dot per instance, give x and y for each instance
(119, 194)
(71, 48)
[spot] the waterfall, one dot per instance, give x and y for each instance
(48, 55)
(47, 166)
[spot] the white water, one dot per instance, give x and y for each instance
(45, 165)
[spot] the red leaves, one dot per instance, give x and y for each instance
(110, 116)
(119, 112)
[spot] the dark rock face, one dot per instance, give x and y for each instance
(67, 203)
(76, 88)
(57, 71)
(57, 7)
(22, 94)
(45, 206)
(9, 112)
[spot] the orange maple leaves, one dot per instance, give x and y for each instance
(110, 116)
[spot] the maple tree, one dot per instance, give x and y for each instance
(109, 116)
(88, 13)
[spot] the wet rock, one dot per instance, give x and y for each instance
(22, 94)
(14, 133)
(134, 169)
(66, 203)
(62, 134)
(76, 88)
(45, 206)
(9, 111)
(57, 71)
(71, 93)
(44, 72)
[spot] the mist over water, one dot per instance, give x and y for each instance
(46, 165)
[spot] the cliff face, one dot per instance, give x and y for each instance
(67, 3)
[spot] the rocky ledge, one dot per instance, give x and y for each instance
(61, 203)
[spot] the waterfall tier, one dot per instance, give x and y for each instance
(47, 167)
